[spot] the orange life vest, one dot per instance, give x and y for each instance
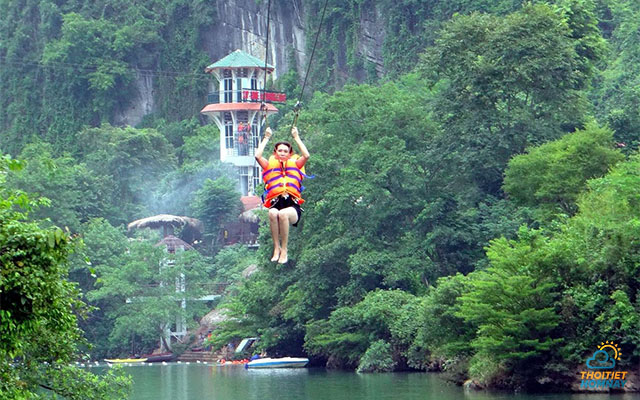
(281, 178)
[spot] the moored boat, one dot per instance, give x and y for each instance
(284, 362)
(162, 357)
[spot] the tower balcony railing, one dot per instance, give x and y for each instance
(245, 96)
(243, 144)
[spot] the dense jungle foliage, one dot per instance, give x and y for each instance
(474, 209)
(40, 308)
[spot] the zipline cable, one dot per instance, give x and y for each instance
(266, 58)
(263, 106)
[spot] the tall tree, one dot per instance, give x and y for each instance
(616, 94)
(552, 175)
(506, 83)
(512, 304)
(79, 63)
(40, 336)
(216, 204)
(145, 289)
(76, 192)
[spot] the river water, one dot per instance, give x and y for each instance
(212, 382)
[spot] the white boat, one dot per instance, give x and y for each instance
(284, 362)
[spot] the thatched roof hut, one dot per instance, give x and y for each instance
(174, 243)
(168, 223)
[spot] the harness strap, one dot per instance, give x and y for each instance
(280, 185)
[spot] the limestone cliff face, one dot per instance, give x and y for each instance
(371, 35)
(242, 24)
(143, 104)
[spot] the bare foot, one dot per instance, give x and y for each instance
(283, 257)
(276, 255)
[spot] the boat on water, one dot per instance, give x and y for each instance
(284, 362)
(161, 357)
(124, 360)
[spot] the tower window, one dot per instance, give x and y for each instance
(228, 133)
(256, 179)
(228, 86)
(244, 180)
(255, 136)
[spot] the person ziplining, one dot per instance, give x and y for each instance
(283, 172)
(282, 175)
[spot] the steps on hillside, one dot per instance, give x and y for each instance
(207, 356)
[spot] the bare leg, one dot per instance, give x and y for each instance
(287, 216)
(273, 224)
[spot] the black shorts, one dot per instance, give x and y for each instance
(281, 202)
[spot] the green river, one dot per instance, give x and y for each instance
(213, 382)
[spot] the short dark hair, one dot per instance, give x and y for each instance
(275, 147)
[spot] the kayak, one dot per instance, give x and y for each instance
(284, 362)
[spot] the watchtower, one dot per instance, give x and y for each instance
(237, 109)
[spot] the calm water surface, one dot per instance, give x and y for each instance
(212, 382)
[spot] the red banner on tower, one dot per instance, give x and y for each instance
(269, 97)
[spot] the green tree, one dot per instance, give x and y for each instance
(230, 261)
(40, 335)
(87, 62)
(215, 204)
(103, 246)
(443, 333)
(601, 273)
(74, 64)
(202, 146)
(145, 289)
(615, 94)
(382, 324)
(512, 303)
(135, 159)
(382, 213)
(76, 193)
(492, 96)
(574, 283)
(552, 175)
(505, 84)
(377, 358)
(620, 320)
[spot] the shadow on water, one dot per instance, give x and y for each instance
(213, 382)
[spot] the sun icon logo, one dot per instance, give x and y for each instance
(616, 350)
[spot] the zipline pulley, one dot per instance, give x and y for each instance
(263, 109)
(296, 112)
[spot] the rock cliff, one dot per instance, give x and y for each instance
(242, 24)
